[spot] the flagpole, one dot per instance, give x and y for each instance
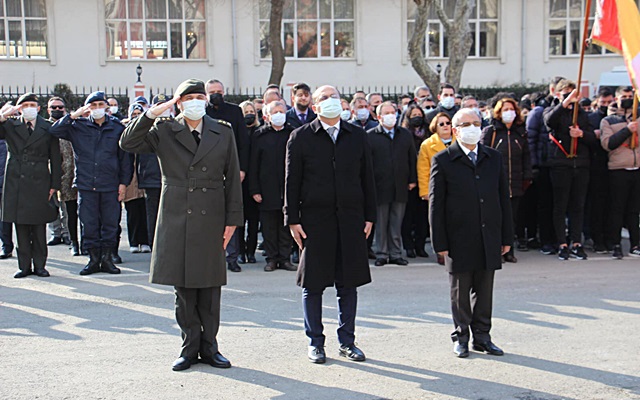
(583, 47)
(634, 116)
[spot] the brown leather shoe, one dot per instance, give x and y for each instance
(288, 266)
(271, 266)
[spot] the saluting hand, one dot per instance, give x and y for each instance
(298, 234)
(158, 109)
(226, 237)
(8, 110)
(81, 112)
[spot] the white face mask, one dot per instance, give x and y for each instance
(448, 102)
(404, 107)
(469, 134)
(345, 115)
(98, 113)
(29, 113)
(508, 116)
(389, 120)
(278, 119)
(113, 109)
(194, 109)
(330, 108)
(362, 114)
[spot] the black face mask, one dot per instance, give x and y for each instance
(57, 114)
(216, 99)
(626, 104)
(249, 119)
(415, 121)
(603, 109)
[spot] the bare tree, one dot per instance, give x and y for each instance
(275, 42)
(459, 43)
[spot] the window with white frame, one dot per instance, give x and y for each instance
(23, 29)
(566, 23)
(483, 28)
(155, 29)
(311, 28)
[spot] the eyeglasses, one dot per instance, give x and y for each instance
(56, 107)
(465, 124)
(444, 123)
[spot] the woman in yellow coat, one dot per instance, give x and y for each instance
(440, 139)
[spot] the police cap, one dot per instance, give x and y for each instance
(95, 96)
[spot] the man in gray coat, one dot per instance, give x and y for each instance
(200, 207)
(32, 176)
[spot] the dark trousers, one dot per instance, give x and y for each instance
(233, 247)
(136, 222)
(347, 305)
(545, 207)
(624, 205)
(527, 226)
(6, 234)
(198, 316)
(415, 224)
(32, 246)
(72, 218)
(277, 237)
(249, 244)
(388, 235)
(152, 203)
(100, 217)
(471, 304)
(597, 207)
(570, 187)
(515, 206)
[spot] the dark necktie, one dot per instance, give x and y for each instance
(29, 128)
(196, 136)
(303, 118)
(472, 156)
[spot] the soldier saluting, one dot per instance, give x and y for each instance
(200, 207)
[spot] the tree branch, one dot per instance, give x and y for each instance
(275, 42)
(416, 46)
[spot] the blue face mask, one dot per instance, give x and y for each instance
(330, 108)
(446, 141)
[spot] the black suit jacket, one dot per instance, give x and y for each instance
(469, 208)
(294, 121)
(329, 189)
(233, 114)
(394, 163)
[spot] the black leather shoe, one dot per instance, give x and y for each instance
(421, 253)
(371, 254)
(352, 353)
(22, 274)
(93, 265)
(43, 273)
(115, 257)
(271, 266)
(398, 261)
(181, 364)
(233, 266)
(251, 259)
(75, 250)
(488, 347)
(106, 262)
(380, 262)
(54, 241)
(5, 255)
(287, 266)
(218, 361)
(316, 355)
(411, 253)
(510, 258)
(461, 349)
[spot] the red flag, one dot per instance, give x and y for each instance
(605, 30)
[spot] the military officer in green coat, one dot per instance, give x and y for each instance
(200, 207)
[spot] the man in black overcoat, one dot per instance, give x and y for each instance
(330, 206)
(471, 226)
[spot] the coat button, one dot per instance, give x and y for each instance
(191, 189)
(481, 200)
(483, 224)
(204, 212)
(204, 169)
(477, 176)
(204, 190)
(190, 168)
(189, 211)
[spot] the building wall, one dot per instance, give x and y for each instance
(77, 52)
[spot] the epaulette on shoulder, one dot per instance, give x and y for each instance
(160, 120)
(223, 122)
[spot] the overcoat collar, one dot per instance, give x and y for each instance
(456, 152)
(208, 139)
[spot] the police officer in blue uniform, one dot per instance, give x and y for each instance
(103, 171)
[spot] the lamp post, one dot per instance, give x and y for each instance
(439, 70)
(138, 87)
(139, 72)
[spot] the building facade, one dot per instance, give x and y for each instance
(348, 43)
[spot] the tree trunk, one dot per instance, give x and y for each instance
(459, 41)
(275, 42)
(416, 47)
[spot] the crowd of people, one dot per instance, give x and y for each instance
(571, 185)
